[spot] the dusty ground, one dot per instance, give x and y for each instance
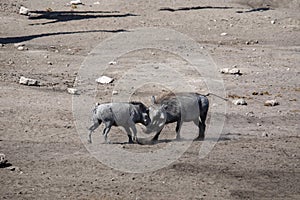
(257, 156)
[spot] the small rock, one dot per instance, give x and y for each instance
(13, 168)
(1, 45)
(211, 182)
(19, 44)
(75, 2)
(264, 134)
(104, 80)
(49, 9)
(114, 92)
(233, 71)
(225, 71)
(73, 91)
(23, 11)
(224, 34)
(49, 63)
(2, 159)
(250, 114)
(258, 124)
(271, 103)
(28, 81)
(273, 22)
(21, 48)
(239, 102)
(96, 3)
(112, 63)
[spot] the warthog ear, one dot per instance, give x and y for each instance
(153, 99)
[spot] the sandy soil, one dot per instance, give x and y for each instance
(257, 156)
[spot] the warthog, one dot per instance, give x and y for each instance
(119, 114)
(181, 107)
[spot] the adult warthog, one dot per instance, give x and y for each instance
(179, 108)
(125, 115)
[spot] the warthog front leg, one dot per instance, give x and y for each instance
(131, 133)
(130, 141)
(155, 138)
(133, 128)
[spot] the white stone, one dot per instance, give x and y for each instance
(97, 3)
(2, 159)
(104, 80)
(239, 102)
(112, 63)
(224, 34)
(230, 71)
(271, 103)
(75, 2)
(28, 81)
(72, 91)
(115, 92)
(23, 11)
(234, 71)
(21, 48)
(19, 44)
(225, 70)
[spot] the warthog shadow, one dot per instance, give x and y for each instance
(150, 141)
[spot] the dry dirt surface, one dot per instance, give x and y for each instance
(257, 155)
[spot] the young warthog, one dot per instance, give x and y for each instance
(181, 107)
(119, 114)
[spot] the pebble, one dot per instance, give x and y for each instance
(21, 48)
(114, 92)
(271, 103)
(273, 22)
(264, 134)
(104, 80)
(75, 2)
(73, 91)
(28, 81)
(112, 63)
(13, 168)
(224, 34)
(23, 10)
(239, 102)
(2, 159)
(230, 71)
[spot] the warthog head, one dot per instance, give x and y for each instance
(144, 113)
(158, 117)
